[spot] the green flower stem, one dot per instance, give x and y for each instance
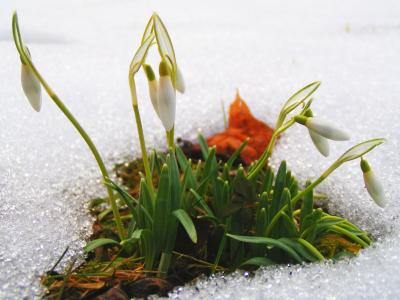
(26, 59)
(268, 152)
(170, 138)
(138, 120)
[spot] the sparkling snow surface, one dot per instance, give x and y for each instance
(268, 49)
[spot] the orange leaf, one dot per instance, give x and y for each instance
(242, 125)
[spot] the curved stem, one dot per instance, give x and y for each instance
(139, 127)
(268, 152)
(86, 138)
(25, 58)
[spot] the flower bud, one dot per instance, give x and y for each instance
(153, 86)
(166, 97)
(373, 184)
(323, 128)
(180, 82)
(31, 86)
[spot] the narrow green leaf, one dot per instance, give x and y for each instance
(98, 243)
(174, 178)
(203, 146)
(259, 261)
(135, 236)
(162, 209)
(203, 204)
(267, 241)
(104, 214)
(187, 223)
(280, 182)
(236, 154)
(182, 160)
(268, 180)
(306, 206)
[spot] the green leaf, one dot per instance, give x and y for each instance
(203, 146)
(236, 154)
(360, 149)
(181, 157)
(162, 209)
(98, 243)
(267, 241)
(130, 201)
(280, 182)
(307, 205)
(187, 223)
(134, 237)
(174, 178)
(203, 204)
(288, 223)
(259, 261)
(268, 180)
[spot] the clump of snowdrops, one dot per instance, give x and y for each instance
(265, 216)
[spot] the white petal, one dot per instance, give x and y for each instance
(326, 129)
(180, 82)
(166, 102)
(320, 143)
(153, 91)
(31, 87)
(374, 188)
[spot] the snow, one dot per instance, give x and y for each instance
(268, 49)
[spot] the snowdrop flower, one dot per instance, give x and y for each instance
(31, 86)
(323, 128)
(180, 82)
(319, 141)
(373, 184)
(153, 86)
(166, 97)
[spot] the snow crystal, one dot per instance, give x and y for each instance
(267, 49)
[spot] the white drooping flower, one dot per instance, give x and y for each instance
(320, 143)
(31, 86)
(373, 184)
(180, 82)
(153, 86)
(166, 97)
(324, 128)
